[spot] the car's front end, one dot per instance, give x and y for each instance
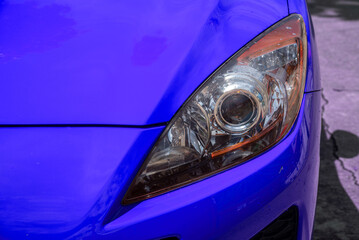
(158, 120)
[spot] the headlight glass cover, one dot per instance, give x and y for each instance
(246, 106)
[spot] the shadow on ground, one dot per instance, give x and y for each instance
(336, 215)
(345, 9)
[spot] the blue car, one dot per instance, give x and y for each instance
(158, 119)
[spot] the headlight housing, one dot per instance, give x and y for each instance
(246, 106)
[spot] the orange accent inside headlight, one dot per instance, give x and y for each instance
(248, 105)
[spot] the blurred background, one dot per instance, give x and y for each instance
(336, 24)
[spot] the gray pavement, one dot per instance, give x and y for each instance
(337, 32)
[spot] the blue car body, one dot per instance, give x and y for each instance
(88, 86)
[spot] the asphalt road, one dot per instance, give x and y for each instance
(337, 32)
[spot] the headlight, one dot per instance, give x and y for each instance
(241, 110)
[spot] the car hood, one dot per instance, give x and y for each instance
(116, 62)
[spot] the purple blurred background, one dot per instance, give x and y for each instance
(337, 32)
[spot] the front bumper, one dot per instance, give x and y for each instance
(234, 204)
(237, 203)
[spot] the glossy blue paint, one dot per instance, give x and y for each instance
(116, 62)
(53, 179)
(234, 204)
